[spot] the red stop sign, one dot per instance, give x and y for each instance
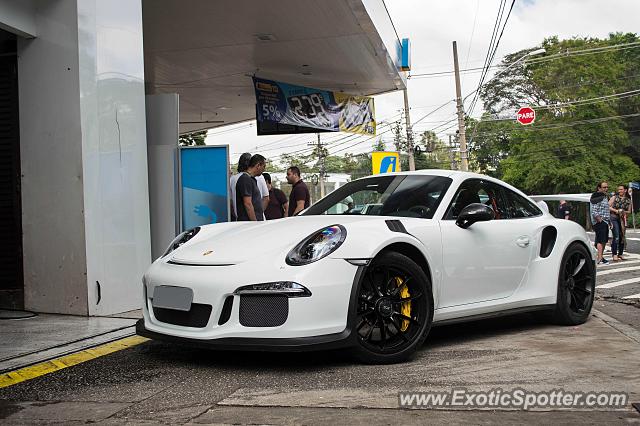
(526, 116)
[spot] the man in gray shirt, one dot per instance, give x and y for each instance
(248, 197)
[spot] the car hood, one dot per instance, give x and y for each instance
(237, 242)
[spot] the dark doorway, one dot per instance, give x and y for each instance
(11, 278)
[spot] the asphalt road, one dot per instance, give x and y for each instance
(618, 284)
(157, 383)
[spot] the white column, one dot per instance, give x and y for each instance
(114, 153)
(162, 143)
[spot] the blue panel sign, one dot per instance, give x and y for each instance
(284, 103)
(204, 178)
(405, 57)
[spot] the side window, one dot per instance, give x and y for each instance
(416, 196)
(478, 191)
(520, 207)
(496, 200)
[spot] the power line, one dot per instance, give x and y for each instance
(419, 120)
(344, 140)
(568, 124)
(392, 24)
(578, 102)
(446, 73)
(477, 95)
(590, 51)
(487, 64)
(473, 30)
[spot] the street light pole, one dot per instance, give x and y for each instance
(464, 162)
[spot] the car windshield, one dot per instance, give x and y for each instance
(401, 195)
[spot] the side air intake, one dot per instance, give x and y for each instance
(549, 235)
(396, 226)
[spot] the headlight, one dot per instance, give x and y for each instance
(317, 245)
(181, 239)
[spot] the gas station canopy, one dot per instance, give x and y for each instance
(207, 51)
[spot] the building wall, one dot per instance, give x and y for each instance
(54, 252)
(84, 158)
(18, 17)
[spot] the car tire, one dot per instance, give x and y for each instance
(576, 287)
(405, 333)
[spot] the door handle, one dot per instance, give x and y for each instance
(523, 241)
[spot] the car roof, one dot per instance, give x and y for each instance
(438, 172)
(456, 175)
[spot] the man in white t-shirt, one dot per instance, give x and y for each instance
(243, 165)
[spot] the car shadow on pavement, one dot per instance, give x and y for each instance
(464, 332)
(441, 336)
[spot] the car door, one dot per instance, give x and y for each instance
(489, 259)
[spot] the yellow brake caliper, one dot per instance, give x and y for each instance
(405, 307)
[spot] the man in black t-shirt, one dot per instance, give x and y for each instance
(278, 206)
(564, 210)
(299, 199)
(248, 197)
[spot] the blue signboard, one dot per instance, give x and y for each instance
(405, 57)
(284, 103)
(204, 185)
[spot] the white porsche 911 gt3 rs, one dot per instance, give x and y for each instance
(372, 266)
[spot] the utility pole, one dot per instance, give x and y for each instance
(452, 155)
(464, 163)
(321, 158)
(412, 161)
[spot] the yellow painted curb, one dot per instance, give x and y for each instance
(37, 370)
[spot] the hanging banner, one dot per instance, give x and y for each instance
(319, 109)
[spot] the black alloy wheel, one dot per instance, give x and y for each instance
(576, 286)
(394, 309)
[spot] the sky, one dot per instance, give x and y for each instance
(432, 26)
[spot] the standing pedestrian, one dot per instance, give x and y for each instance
(299, 199)
(278, 206)
(564, 210)
(243, 165)
(619, 207)
(600, 218)
(248, 197)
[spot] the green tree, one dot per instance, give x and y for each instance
(436, 153)
(576, 140)
(193, 138)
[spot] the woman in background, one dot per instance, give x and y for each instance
(619, 206)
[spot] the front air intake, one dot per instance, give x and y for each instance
(263, 311)
(197, 316)
(226, 310)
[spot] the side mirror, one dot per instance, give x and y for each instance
(473, 213)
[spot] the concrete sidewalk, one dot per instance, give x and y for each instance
(43, 337)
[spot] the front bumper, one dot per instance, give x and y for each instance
(291, 344)
(322, 320)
